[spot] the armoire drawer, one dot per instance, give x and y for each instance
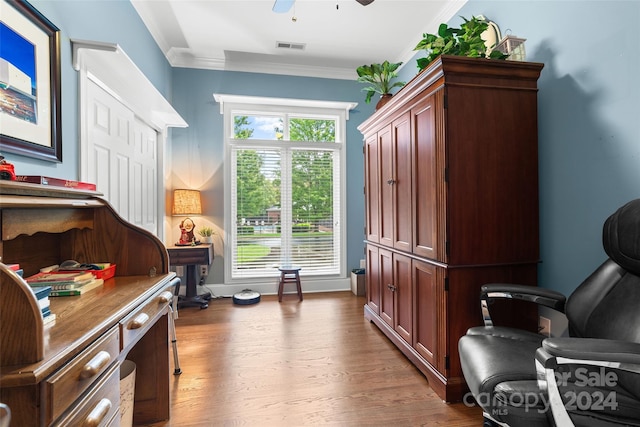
(135, 325)
(71, 381)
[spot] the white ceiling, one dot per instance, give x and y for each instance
(241, 35)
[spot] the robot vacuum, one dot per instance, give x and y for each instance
(246, 297)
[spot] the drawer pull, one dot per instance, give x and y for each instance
(98, 413)
(139, 321)
(166, 296)
(95, 365)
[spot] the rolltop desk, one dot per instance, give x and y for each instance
(67, 372)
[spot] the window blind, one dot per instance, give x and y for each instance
(285, 195)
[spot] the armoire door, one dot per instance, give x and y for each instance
(403, 295)
(386, 179)
(401, 185)
(427, 176)
(373, 278)
(372, 188)
(426, 310)
(387, 294)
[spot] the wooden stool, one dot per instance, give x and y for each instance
(289, 275)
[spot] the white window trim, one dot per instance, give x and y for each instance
(261, 105)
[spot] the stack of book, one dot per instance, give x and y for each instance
(16, 267)
(42, 294)
(65, 283)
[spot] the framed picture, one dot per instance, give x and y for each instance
(29, 83)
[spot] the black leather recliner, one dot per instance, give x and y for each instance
(592, 377)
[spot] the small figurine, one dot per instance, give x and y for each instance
(7, 170)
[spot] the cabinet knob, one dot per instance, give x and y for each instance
(139, 321)
(166, 296)
(98, 413)
(94, 366)
(391, 181)
(391, 287)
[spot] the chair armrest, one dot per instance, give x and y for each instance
(540, 296)
(601, 353)
(581, 350)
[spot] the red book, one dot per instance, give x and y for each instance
(58, 182)
(14, 267)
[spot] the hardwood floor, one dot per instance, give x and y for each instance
(315, 362)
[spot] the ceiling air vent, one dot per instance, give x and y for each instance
(290, 45)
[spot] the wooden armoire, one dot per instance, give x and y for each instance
(451, 195)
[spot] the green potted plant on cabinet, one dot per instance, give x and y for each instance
(464, 41)
(380, 79)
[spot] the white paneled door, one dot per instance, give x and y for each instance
(121, 155)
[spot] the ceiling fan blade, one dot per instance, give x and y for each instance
(283, 6)
(364, 2)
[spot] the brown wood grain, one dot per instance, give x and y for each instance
(316, 362)
(42, 366)
(21, 329)
(458, 179)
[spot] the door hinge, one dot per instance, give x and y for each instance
(445, 101)
(446, 362)
(446, 174)
(446, 284)
(447, 247)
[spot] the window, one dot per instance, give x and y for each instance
(285, 192)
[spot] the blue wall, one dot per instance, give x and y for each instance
(111, 21)
(588, 114)
(198, 151)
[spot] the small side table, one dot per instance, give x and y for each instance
(192, 257)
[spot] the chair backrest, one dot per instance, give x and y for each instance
(607, 303)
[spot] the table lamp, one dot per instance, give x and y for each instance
(185, 203)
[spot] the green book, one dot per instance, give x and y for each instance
(95, 283)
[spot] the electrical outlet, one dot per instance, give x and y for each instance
(544, 326)
(180, 270)
(204, 270)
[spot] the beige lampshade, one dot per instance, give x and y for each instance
(186, 202)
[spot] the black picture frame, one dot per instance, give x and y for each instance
(31, 103)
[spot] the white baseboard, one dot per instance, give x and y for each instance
(271, 287)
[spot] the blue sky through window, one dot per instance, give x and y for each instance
(264, 127)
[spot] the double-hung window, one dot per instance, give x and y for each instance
(285, 192)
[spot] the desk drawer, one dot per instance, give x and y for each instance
(100, 406)
(135, 325)
(191, 255)
(66, 385)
